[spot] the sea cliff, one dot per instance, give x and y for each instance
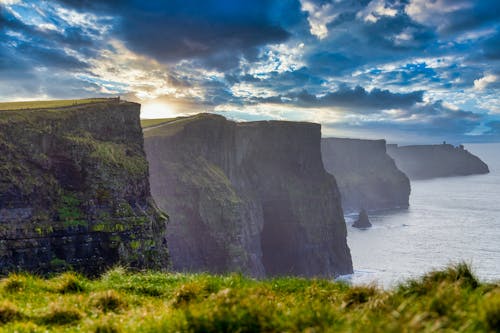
(431, 161)
(74, 190)
(249, 197)
(367, 177)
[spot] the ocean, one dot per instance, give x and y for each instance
(449, 220)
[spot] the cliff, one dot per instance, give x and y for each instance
(431, 161)
(367, 177)
(74, 190)
(249, 197)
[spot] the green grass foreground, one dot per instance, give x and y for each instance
(119, 301)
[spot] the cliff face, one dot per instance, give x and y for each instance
(367, 177)
(249, 197)
(74, 190)
(431, 161)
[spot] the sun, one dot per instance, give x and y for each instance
(157, 110)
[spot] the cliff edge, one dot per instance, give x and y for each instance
(74, 190)
(431, 161)
(367, 177)
(250, 197)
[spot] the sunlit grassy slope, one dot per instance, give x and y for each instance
(153, 122)
(48, 104)
(450, 300)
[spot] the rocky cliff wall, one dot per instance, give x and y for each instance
(367, 177)
(74, 190)
(431, 161)
(250, 197)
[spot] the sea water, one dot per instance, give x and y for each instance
(449, 220)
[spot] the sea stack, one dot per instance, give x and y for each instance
(247, 197)
(362, 222)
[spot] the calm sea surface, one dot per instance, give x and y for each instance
(449, 220)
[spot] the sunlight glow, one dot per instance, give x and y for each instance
(157, 110)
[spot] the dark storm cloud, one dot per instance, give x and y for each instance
(384, 33)
(475, 14)
(217, 31)
(358, 99)
(494, 128)
(491, 47)
(333, 63)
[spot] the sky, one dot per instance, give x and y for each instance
(409, 71)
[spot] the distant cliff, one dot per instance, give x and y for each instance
(367, 177)
(250, 197)
(431, 161)
(74, 190)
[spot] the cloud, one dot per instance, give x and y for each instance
(424, 122)
(169, 31)
(319, 16)
(434, 12)
(376, 9)
(450, 16)
(358, 99)
(493, 128)
(365, 66)
(491, 47)
(485, 81)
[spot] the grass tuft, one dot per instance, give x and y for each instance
(451, 300)
(68, 283)
(491, 308)
(14, 283)
(188, 292)
(460, 274)
(106, 326)
(109, 301)
(9, 312)
(61, 316)
(358, 295)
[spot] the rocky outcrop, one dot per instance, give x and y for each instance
(363, 222)
(431, 161)
(74, 190)
(249, 197)
(367, 177)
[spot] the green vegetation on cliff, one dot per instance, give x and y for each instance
(49, 104)
(119, 301)
(145, 123)
(74, 189)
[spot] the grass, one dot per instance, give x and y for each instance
(145, 123)
(48, 104)
(175, 124)
(452, 300)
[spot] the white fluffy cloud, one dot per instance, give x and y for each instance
(376, 9)
(482, 83)
(433, 13)
(319, 17)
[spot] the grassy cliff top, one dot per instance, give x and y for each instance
(53, 104)
(170, 126)
(145, 123)
(119, 301)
